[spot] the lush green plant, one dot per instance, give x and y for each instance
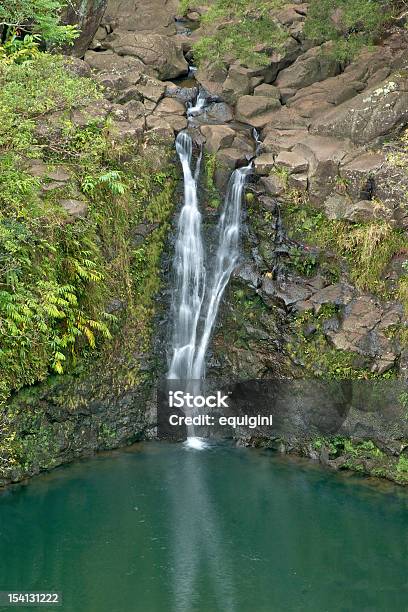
(40, 17)
(17, 50)
(213, 196)
(239, 29)
(56, 275)
(317, 356)
(350, 23)
(367, 247)
(304, 263)
(31, 90)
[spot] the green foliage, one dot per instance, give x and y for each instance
(40, 17)
(310, 348)
(57, 276)
(402, 466)
(304, 263)
(239, 29)
(351, 24)
(367, 247)
(213, 195)
(16, 50)
(184, 6)
(31, 90)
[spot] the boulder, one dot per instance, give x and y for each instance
(110, 63)
(214, 113)
(217, 137)
(134, 109)
(151, 89)
(170, 106)
(276, 141)
(315, 65)
(211, 78)
(176, 122)
(184, 94)
(256, 110)
(237, 83)
(264, 164)
(97, 113)
(294, 162)
(274, 185)
(75, 209)
(122, 131)
(227, 161)
(267, 91)
(154, 50)
(162, 134)
(324, 156)
(374, 113)
(153, 16)
(363, 330)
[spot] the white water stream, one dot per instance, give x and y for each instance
(198, 292)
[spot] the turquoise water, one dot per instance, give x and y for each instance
(160, 528)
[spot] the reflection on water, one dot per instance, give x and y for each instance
(164, 528)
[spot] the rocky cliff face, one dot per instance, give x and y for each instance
(322, 287)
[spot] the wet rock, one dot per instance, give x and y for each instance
(217, 137)
(184, 94)
(249, 274)
(274, 185)
(215, 113)
(264, 164)
(339, 294)
(285, 291)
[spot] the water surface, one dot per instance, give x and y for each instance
(161, 528)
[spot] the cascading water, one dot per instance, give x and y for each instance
(191, 301)
(226, 260)
(189, 270)
(199, 105)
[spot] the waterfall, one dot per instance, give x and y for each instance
(226, 260)
(189, 270)
(200, 103)
(194, 306)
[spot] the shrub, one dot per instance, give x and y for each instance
(40, 17)
(239, 29)
(352, 24)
